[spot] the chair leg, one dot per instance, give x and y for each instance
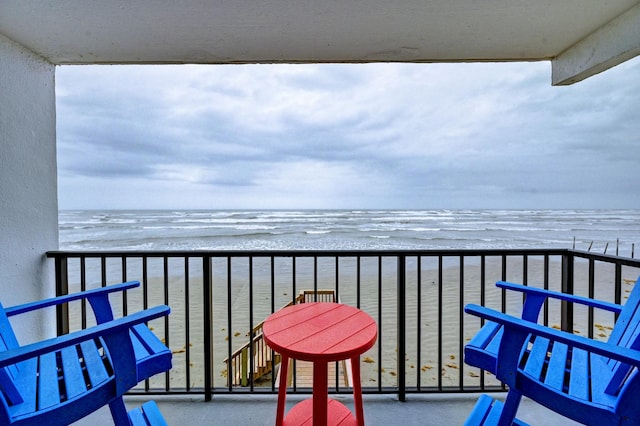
(119, 412)
(510, 408)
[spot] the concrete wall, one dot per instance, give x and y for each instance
(28, 182)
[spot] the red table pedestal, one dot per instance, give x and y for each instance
(321, 333)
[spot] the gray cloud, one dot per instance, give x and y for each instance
(352, 136)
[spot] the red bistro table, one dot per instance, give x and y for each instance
(320, 333)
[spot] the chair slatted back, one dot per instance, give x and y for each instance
(8, 340)
(625, 333)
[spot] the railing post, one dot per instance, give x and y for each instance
(62, 287)
(566, 309)
(402, 317)
(207, 279)
(618, 286)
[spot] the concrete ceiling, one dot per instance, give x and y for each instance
(269, 31)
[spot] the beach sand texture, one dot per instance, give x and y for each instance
(434, 305)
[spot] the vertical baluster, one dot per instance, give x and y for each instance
(83, 287)
(207, 318)
(402, 319)
(252, 355)
(483, 289)
(419, 321)
(461, 325)
(440, 315)
(187, 325)
(380, 322)
(231, 374)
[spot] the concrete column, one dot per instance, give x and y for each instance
(28, 183)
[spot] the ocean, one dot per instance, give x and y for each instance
(594, 230)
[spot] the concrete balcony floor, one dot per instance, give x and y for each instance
(380, 410)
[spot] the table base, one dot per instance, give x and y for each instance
(337, 414)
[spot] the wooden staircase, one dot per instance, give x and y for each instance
(263, 361)
(240, 371)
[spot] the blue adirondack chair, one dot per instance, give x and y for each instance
(592, 382)
(482, 350)
(60, 380)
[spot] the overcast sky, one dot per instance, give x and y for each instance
(346, 136)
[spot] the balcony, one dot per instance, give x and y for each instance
(219, 300)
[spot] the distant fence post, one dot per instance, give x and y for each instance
(566, 309)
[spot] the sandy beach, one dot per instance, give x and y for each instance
(378, 297)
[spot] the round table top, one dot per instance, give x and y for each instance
(320, 331)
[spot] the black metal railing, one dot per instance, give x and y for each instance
(417, 298)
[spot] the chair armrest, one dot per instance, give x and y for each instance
(13, 356)
(98, 292)
(618, 353)
(538, 292)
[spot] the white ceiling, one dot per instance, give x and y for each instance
(237, 31)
